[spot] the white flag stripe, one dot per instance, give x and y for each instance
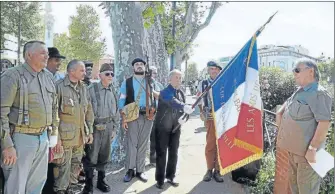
(252, 90)
(226, 116)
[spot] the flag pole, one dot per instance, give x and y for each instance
(257, 33)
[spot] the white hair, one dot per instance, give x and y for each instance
(31, 46)
(174, 71)
(153, 68)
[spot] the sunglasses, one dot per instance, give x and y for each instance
(298, 70)
(109, 74)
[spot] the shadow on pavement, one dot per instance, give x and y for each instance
(154, 190)
(200, 130)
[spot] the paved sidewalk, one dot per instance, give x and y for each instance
(190, 170)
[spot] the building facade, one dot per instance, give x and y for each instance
(282, 56)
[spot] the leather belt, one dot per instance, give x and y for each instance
(103, 121)
(29, 130)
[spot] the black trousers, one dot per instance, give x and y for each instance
(153, 144)
(166, 141)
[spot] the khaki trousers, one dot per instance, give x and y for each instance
(302, 178)
(211, 149)
(67, 170)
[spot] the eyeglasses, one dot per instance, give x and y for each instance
(298, 70)
(109, 74)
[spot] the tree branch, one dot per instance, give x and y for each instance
(213, 8)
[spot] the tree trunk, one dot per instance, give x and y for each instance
(128, 33)
(126, 19)
(179, 58)
(155, 48)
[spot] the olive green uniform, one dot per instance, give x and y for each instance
(76, 119)
(28, 108)
(304, 109)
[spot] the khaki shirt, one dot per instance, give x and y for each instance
(108, 101)
(75, 112)
(42, 101)
(301, 117)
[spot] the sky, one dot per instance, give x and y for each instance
(309, 24)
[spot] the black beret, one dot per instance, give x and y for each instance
(88, 63)
(138, 60)
(213, 64)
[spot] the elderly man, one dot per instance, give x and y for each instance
(206, 115)
(137, 125)
(104, 101)
(54, 62)
(303, 123)
(158, 87)
(75, 127)
(171, 106)
(28, 110)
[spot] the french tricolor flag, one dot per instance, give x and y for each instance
(236, 109)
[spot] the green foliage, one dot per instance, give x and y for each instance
(166, 13)
(84, 41)
(265, 178)
(29, 17)
(276, 86)
(192, 72)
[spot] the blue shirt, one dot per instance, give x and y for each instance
(168, 95)
(303, 93)
(137, 87)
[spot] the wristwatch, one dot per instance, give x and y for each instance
(312, 148)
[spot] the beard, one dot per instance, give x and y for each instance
(139, 72)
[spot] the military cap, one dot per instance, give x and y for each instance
(88, 63)
(106, 67)
(213, 64)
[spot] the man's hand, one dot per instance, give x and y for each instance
(89, 139)
(188, 109)
(125, 126)
(181, 120)
(9, 156)
(58, 148)
(311, 156)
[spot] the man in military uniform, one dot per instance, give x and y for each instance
(104, 102)
(75, 127)
(89, 69)
(303, 123)
(171, 107)
(138, 131)
(206, 114)
(54, 63)
(28, 109)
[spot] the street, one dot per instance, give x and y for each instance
(190, 169)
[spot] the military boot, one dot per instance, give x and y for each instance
(208, 176)
(88, 189)
(101, 184)
(217, 176)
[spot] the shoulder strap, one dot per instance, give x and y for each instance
(97, 96)
(23, 109)
(139, 93)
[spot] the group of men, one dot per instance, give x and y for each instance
(69, 121)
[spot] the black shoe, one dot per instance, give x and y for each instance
(208, 176)
(129, 175)
(88, 189)
(142, 176)
(160, 185)
(101, 184)
(173, 182)
(81, 178)
(217, 177)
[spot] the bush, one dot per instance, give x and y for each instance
(276, 86)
